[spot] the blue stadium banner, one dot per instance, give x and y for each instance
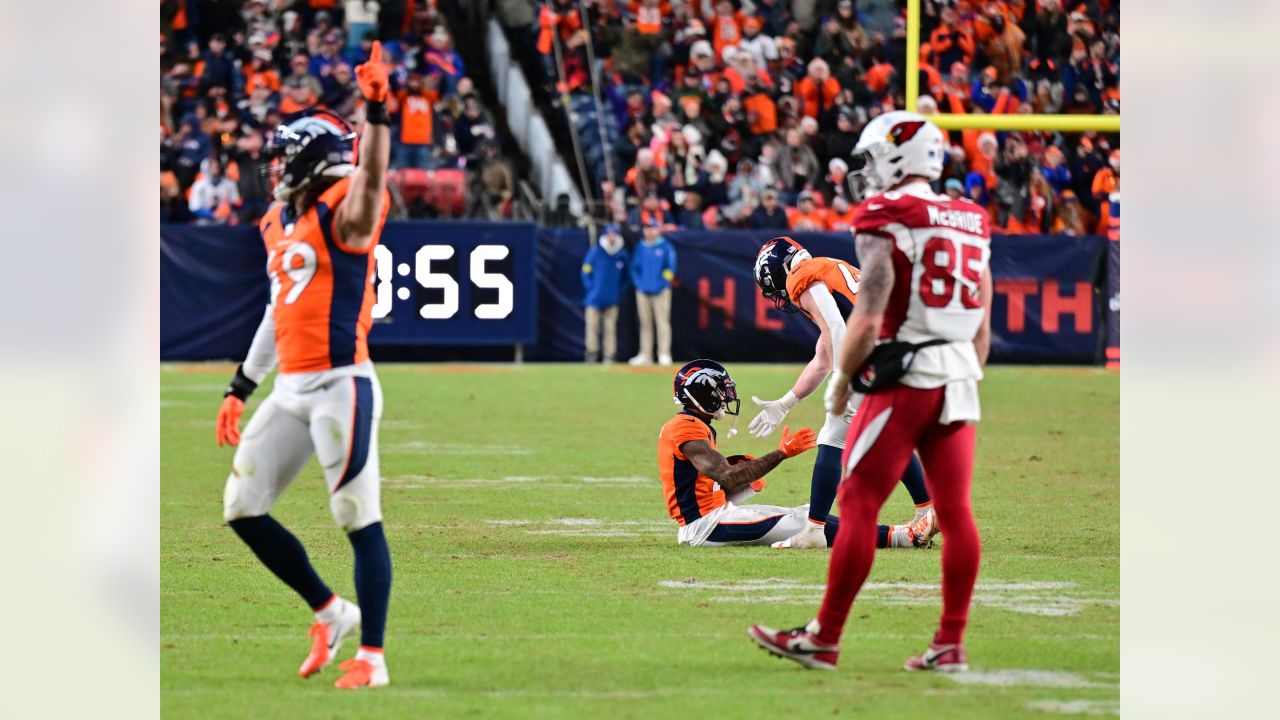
(436, 284)
(1047, 306)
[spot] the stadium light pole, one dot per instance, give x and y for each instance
(952, 121)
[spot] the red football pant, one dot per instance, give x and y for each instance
(888, 426)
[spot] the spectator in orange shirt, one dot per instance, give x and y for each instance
(298, 95)
(949, 42)
(260, 72)
(817, 91)
(1107, 180)
(725, 27)
(739, 66)
(416, 103)
(807, 216)
(841, 215)
(761, 111)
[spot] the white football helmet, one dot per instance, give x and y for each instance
(892, 146)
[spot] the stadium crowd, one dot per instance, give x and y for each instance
(744, 113)
(232, 69)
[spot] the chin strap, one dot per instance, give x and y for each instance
(733, 428)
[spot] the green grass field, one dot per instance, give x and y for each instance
(537, 573)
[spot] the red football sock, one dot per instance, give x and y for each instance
(947, 454)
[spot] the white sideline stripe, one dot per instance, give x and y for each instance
(1014, 677)
(1077, 707)
(867, 438)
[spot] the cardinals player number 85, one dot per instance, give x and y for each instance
(941, 270)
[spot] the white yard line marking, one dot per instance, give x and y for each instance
(417, 447)
(1047, 598)
(1077, 707)
(586, 527)
(1014, 677)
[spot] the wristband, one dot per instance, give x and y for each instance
(788, 401)
(241, 386)
(375, 113)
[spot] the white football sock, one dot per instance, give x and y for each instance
(330, 612)
(922, 509)
(898, 537)
(370, 656)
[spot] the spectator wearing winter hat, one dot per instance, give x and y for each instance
(760, 47)
(1054, 168)
(1070, 218)
(213, 195)
(604, 278)
(443, 59)
(817, 90)
(769, 215)
(953, 188)
(653, 267)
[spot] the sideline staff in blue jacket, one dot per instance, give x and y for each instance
(653, 267)
(604, 277)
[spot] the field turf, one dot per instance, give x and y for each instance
(537, 573)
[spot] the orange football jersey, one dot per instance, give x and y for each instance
(689, 493)
(839, 276)
(321, 289)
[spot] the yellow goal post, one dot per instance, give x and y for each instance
(951, 121)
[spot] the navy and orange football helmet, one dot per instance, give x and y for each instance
(307, 145)
(705, 386)
(772, 265)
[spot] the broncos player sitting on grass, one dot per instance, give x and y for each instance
(703, 488)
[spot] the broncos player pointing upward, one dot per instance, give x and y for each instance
(327, 400)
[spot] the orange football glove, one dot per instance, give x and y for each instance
(229, 420)
(793, 445)
(372, 76)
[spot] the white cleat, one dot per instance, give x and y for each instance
(665, 361)
(812, 536)
(326, 638)
(640, 361)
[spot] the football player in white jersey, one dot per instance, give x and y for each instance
(915, 343)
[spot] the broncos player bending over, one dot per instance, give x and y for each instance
(702, 487)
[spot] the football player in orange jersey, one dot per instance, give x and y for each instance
(703, 489)
(799, 282)
(326, 400)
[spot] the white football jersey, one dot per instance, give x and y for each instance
(941, 249)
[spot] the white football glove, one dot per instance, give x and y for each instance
(836, 398)
(771, 413)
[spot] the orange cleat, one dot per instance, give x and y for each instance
(362, 673)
